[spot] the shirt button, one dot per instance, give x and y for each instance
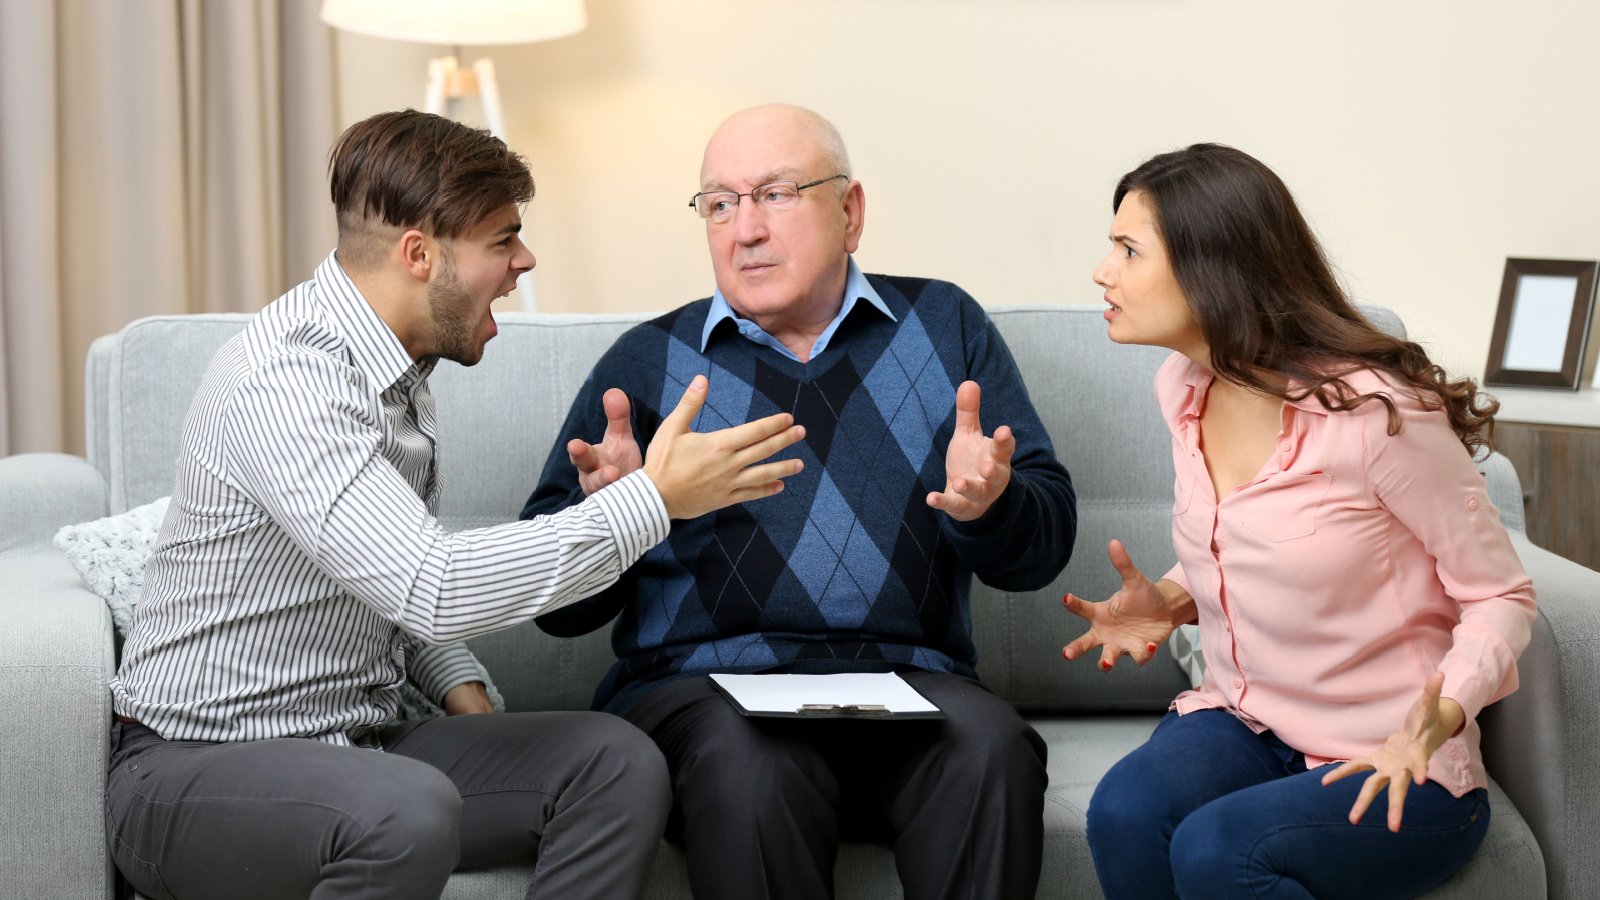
(1472, 503)
(1237, 684)
(1284, 446)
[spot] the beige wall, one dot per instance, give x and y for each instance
(1427, 140)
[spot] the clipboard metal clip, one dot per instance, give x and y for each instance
(844, 709)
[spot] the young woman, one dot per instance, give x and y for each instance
(1358, 600)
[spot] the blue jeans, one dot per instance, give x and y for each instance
(1208, 808)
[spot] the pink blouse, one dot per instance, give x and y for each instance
(1354, 565)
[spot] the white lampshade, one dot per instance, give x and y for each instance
(452, 22)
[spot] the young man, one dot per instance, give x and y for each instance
(865, 562)
(301, 576)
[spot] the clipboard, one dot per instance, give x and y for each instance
(850, 695)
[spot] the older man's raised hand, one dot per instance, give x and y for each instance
(616, 455)
(977, 468)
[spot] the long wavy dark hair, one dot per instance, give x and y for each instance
(1266, 300)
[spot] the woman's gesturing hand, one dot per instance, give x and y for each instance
(1134, 621)
(1403, 758)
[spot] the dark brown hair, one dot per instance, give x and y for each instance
(411, 169)
(1266, 300)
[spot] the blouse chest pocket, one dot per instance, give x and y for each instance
(1285, 508)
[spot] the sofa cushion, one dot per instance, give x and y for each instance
(1124, 494)
(140, 387)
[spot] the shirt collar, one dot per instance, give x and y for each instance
(856, 287)
(1199, 379)
(374, 348)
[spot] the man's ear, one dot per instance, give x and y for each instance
(418, 253)
(855, 215)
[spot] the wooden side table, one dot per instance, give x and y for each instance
(1553, 438)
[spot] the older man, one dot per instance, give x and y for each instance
(862, 564)
(300, 576)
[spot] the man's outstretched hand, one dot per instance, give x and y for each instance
(698, 473)
(976, 468)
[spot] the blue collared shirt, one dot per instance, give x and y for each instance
(856, 287)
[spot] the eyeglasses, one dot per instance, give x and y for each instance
(719, 206)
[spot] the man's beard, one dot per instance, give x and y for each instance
(451, 307)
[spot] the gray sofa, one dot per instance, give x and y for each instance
(496, 423)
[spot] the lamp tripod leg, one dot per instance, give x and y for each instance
(445, 82)
(489, 96)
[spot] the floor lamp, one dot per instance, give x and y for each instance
(455, 23)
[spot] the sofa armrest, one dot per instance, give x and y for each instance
(1505, 490)
(41, 492)
(1542, 743)
(56, 658)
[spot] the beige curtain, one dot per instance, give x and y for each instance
(156, 156)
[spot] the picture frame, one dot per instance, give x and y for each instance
(1541, 325)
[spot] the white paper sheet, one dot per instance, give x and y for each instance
(787, 694)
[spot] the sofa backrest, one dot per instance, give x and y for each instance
(498, 421)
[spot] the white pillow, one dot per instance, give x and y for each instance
(110, 555)
(1185, 646)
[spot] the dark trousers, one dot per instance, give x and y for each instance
(584, 795)
(762, 803)
(1207, 808)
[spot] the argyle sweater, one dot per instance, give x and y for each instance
(848, 568)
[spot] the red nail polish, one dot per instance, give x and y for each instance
(1105, 665)
(1150, 648)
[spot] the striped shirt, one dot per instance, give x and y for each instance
(301, 572)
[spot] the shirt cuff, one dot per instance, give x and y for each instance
(437, 669)
(1478, 670)
(635, 513)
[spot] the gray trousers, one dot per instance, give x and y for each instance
(584, 794)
